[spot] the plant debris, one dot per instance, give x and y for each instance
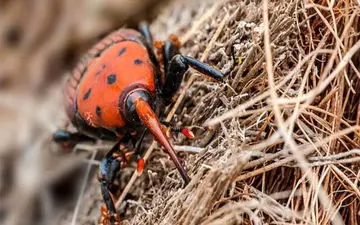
(276, 143)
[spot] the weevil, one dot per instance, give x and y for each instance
(119, 90)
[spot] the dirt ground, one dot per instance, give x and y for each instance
(277, 143)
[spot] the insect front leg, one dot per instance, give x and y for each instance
(176, 65)
(148, 41)
(67, 139)
(145, 31)
(174, 70)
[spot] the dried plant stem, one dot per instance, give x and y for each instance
(83, 188)
(233, 113)
(305, 149)
(282, 128)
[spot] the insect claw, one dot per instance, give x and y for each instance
(188, 133)
(107, 218)
(175, 40)
(140, 166)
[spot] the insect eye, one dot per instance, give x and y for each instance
(130, 109)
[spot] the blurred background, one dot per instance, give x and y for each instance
(40, 41)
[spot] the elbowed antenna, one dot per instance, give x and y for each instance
(151, 121)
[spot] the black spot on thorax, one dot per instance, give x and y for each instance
(87, 94)
(122, 51)
(111, 78)
(138, 61)
(98, 111)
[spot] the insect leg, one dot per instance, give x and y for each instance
(148, 41)
(145, 31)
(174, 70)
(184, 130)
(176, 65)
(139, 152)
(68, 139)
(202, 68)
(109, 169)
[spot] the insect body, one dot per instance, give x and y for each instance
(117, 92)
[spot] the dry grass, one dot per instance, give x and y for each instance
(279, 141)
(290, 103)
